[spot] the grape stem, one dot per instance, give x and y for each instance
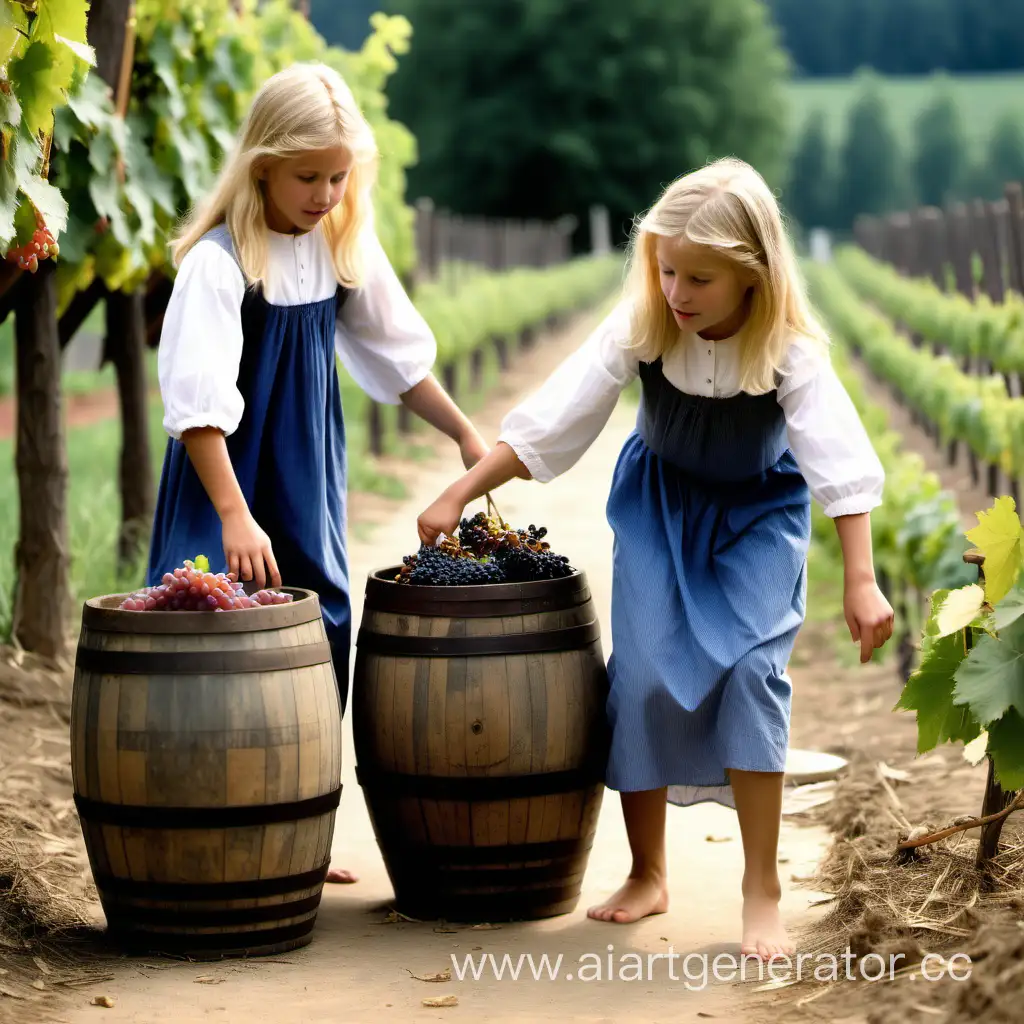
(491, 507)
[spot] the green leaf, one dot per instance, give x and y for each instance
(90, 102)
(8, 204)
(959, 609)
(929, 692)
(1006, 746)
(10, 110)
(39, 86)
(82, 51)
(991, 679)
(56, 18)
(13, 18)
(997, 535)
(48, 200)
(1009, 609)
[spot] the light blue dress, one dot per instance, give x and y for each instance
(711, 517)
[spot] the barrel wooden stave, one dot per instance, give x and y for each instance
(485, 718)
(219, 741)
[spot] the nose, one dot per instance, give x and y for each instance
(678, 297)
(322, 194)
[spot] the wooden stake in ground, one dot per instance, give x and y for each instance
(41, 557)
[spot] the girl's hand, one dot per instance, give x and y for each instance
(442, 517)
(247, 548)
(869, 616)
(472, 448)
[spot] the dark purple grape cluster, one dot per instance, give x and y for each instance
(486, 551)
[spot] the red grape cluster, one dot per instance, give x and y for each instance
(189, 589)
(41, 245)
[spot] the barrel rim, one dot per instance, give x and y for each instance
(101, 612)
(381, 581)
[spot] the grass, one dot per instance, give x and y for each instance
(982, 99)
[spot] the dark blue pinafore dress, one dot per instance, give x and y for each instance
(289, 456)
(711, 519)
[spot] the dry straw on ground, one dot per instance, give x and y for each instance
(902, 905)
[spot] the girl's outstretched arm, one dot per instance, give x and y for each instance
(246, 547)
(868, 614)
(497, 467)
(432, 403)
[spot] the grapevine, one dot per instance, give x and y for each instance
(193, 588)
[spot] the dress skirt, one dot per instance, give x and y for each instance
(288, 454)
(708, 594)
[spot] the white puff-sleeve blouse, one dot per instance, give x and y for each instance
(380, 336)
(552, 428)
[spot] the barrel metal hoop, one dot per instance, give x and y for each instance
(126, 889)
(542, 642)
(514, 905)
(217, 917)
(492, 600)
(194, 942)
(479, 788)
(101, 812)
(201, 663)
(457, 858)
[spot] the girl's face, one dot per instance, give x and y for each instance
(705, 291)
(301, 190)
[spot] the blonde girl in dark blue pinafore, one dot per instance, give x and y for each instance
(280, 271)
(742, 421)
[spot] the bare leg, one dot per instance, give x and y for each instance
(340, 876)
(646, 889)
(759, 806)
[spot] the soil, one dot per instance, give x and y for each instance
(362, 961)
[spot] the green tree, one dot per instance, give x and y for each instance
(809, 195)
(537, 108)
(872, 170)
(940, 149)
(1001, 161)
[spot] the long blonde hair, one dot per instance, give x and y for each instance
(728, 207)
(301, 108)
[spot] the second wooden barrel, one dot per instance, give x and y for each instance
(481, 743)
(206, 759)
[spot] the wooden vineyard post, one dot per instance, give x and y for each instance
(996, 798)
(112, 31)
(126, 343)
(41, 556)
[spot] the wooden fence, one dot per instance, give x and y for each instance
(980, 244)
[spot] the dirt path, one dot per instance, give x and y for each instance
(358, 966)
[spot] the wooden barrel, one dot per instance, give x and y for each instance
(481, 743)
(206, 759)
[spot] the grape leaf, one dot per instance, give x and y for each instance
(55, 18)
(12, 18)
(929, 692)
(82, 51)
(1009, 609)
(959, 609)
(39, 86)
(1006, 746)
(8, 204)
(975, 751)
(991, 679)
(10, 110)
(997, 535)
(48, 200)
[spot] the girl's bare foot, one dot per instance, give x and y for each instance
(341, 876)
(640, 896)
(763, 933)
